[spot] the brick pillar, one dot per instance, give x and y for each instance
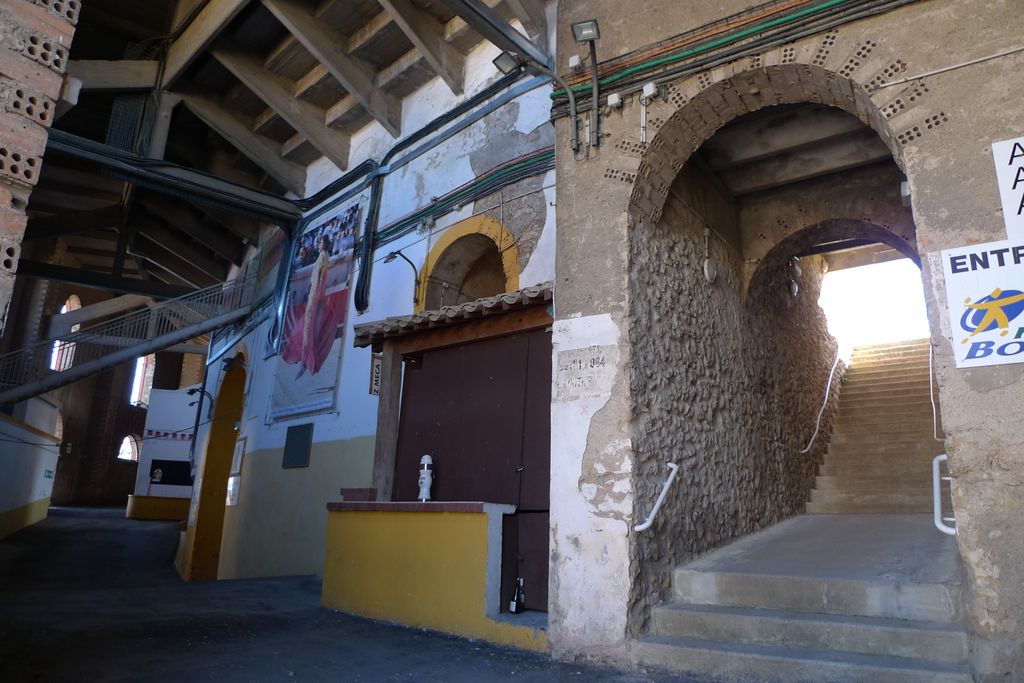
(35, 36)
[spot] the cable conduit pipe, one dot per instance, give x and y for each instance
(828, 390)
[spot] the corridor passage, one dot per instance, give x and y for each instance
(87, 595)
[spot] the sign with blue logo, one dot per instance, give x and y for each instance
(985, 293)
(1009, 158)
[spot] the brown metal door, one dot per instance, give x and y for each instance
(482, 411)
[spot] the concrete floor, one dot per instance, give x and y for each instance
(857, 547)
(89, 596)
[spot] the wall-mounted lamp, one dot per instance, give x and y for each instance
(507, 62)
(589, 32)
(196, 390)
(415, 271)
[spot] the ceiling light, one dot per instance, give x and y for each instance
(586, 31)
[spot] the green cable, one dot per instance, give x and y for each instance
(430, 209)
(719, 42)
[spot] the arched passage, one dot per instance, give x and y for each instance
(474, 258)
(204, 534)
(742, 360)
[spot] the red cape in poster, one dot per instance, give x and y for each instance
(314, 320)
(308, 340)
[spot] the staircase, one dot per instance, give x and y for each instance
(53, 363)
(841, 598)
(879, 458)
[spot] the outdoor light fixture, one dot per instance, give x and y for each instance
(415, 271)
(588, 32)
(585, 31)
(507, 62)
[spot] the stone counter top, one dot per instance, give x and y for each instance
(417, 506)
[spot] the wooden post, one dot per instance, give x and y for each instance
(389, 407)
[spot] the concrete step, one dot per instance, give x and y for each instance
(887, 421)
(922, 342)
(867, 635)
(908, 401)
(912, 495)
(912, 368)
(846, 508)
(770, 664)
(871, 481)
(915, 386)
(906, 472)
(875, 360)
(884, 453)
(888, 598)
(884, 394)
(871, 435)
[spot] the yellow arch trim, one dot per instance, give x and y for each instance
(475, 225)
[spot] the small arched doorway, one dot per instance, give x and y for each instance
(473, 259)
(204, 535)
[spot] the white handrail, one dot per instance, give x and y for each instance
(661, 498)
(931, 394)
(824, 401)
(940, 524)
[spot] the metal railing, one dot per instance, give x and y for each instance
(55, 362)
(937, 479)
(646, 524)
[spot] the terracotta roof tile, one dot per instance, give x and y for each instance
(367, 333)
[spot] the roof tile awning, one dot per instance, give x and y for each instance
(538, 295)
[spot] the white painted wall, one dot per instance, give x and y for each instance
(347, 432)
(169, 411)
(28, 461)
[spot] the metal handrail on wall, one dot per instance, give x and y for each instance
(937, 479)
(646, 524)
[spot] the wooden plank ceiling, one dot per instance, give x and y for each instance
(252, 91)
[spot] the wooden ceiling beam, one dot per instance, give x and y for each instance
(276, 92)
(355, 75)
(73, 223)
(121, 74)
(160, 235)
(427, 34)
(532, 16)
(201, 32)
(182, 218)
(264, 152)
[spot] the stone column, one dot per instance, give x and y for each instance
(35, 36)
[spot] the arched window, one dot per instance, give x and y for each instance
(63, 354)
(129, 449)
(142, 381)
(471, 268)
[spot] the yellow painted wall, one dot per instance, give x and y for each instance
(423, 569)
(157, 508)
(279, 524)
(21, 517)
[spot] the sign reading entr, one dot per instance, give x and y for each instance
(1009, 158)
(985, 294)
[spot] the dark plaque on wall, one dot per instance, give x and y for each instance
(297, 445)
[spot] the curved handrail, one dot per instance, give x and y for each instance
(661, 499)
(940, 523)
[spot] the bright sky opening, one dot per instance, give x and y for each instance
(875, 304)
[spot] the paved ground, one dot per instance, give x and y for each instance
(859, 547)
(89, 596)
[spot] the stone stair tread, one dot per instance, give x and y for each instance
(817, 617)
(798, 664)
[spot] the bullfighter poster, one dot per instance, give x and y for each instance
(314, 323)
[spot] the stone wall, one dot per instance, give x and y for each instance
(938, 110)
(725, 383)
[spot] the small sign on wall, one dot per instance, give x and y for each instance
(985, 294)
(1009, 159)
(376, 368)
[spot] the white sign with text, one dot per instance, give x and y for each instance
(985, 293)
(1009, 158)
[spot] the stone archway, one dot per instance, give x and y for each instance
(474, 258)
(732, 402)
